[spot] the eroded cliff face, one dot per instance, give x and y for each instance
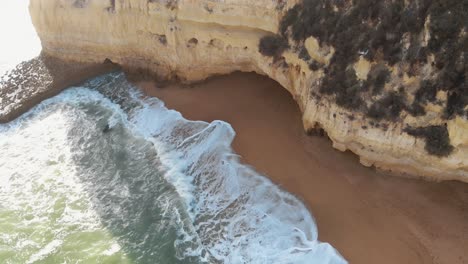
(385, 80)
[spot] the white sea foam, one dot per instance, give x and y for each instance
(41, 199)
(236, 215)
(240, 215)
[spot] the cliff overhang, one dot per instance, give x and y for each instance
(385, 80)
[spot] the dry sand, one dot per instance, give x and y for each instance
(371, 218)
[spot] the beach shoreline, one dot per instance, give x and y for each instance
(369, 217)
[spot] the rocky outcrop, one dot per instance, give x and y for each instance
(33, 81)
(384, 80)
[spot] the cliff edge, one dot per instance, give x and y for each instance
(384, 80)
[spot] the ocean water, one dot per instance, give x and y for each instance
(101, 174)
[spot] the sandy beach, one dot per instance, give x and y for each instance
(368, 216)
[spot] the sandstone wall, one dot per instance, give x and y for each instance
(375, 111)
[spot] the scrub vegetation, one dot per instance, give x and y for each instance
(386, 33)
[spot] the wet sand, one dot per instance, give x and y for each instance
(368, 216)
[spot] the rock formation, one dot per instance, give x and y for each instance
(40, 78)
(385, 80)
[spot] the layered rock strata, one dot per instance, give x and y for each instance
(385, 80)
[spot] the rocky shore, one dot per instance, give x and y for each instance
(35, 80)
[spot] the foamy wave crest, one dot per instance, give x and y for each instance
(239, 215)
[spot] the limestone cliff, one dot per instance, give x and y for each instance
(386, 79)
